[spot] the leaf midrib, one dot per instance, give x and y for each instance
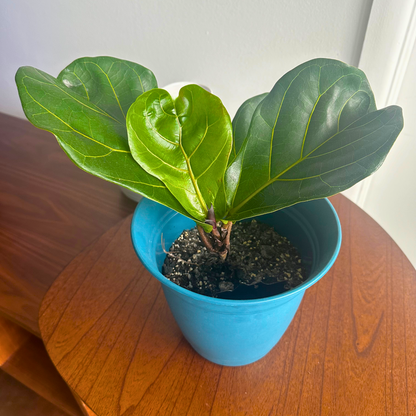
(191, 173)
(188, 162)
(109, 81)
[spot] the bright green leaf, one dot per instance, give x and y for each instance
(315, 134)
(88, 124)
(185, 143)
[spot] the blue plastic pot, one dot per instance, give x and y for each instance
(238, 332)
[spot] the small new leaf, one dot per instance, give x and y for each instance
(185, 143)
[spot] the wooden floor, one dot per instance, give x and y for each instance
(18, 400)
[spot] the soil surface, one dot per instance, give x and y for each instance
(261, 263)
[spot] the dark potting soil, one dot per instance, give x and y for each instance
(261, 263)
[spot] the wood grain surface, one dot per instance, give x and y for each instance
(32, 367)
(49, 212)
(12, 337)
(350, 350)
(18, 400)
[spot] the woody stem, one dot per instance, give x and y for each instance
(205, 239)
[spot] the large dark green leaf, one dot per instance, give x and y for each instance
(315, 134)
(88, 123)
(185, 143)
(241, 123)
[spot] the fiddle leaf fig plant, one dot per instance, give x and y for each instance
(316, 133)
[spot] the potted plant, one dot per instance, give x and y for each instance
(315, 134)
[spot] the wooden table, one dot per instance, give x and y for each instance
(349, 351)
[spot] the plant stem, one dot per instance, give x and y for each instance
(205, 239)
(228, 227)
(218, 240)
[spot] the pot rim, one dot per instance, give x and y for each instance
(232, 302)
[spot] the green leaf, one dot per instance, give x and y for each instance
(315, 134)
(185, 143)
(241, 122)
(111, 83)
(88, 123)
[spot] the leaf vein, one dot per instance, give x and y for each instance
(203, 137)
(74, 130)
(80, 80)
(157, 157)
(138, 76)
(109, 81)
(102, 112)
(215, 159)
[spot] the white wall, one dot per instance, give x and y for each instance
(391, 196)
(389, 59)
(239, 48)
